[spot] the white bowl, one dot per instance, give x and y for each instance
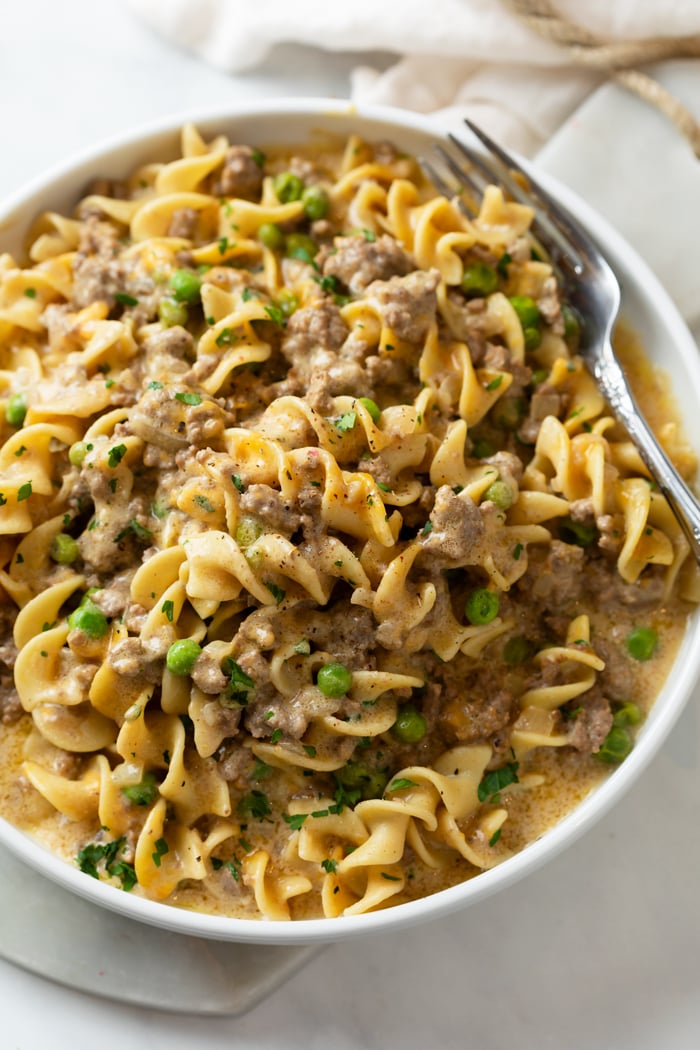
(667, 342)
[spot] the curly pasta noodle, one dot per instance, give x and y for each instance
(323, 565)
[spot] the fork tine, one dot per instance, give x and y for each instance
(537, 196)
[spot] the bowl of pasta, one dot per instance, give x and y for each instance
(333, 596)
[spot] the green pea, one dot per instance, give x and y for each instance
(482, 606)
(334, 680)
(182, 656)
(499, 492)
(88, 619)
(170, 313)
(287, 301)
(527, 310)
(355, 776)
(482, 447)
(186, 286)
(271, 236)
(478, 280)
(315, 201)
(288, 187)
(509, 412)
(248, 531)
(372, 407)
(532, 336)
(641, 642)
(516, 651)
(577, 532)
(300, 246)
(616, 746)
(572, 326)
(628, 715)
(540, 375)
(64, 549)
(77, 453)
(16, 410)
(410, 726)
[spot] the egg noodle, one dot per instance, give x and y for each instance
(327, 568)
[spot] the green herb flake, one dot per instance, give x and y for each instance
(303, 647)
(427, 528)
(30, 293)
(255, 804)
(495, 383)
(390, 878)
(274, 312)
(168, 608)
(495, 837)
(496, 780)
(329, 865)
(295, 820)
(277, 593)
(223, 245)
(161, 848)
(225, 337)
(204, 503)
(189, 398)
(517, 551)
(154, 385)
(143, 793)
(126, 300)
(347, 421)
(401, 783)
(310, 750)
(383, 486)
(116, 455)
(24, 491)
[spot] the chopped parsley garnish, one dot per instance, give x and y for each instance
(225, 337)
(139, 531)
(95, 853)
(495, 383)
(400, 783)
(223, 245)
(240, 684)
(116, 455)
(277, 593)
(347, 421)
(496, 780)
(517, 551)
(275, 313)
(154, 385)
(161, 848)
(295, 820)
(495, 837)
(24, 491)
(126, 300)
(390, 878)
(328, 283)
(329, 865)
(247, 294)
(167, 608)
(502, 265)
(143, 793)
(236, 479)
(259, 157)
(255, 804)
(30, 293)
(189, 398)
(204, 503)
(383, 486)
(310, 750)
(276, 736)
(303, 647)
(427, 528)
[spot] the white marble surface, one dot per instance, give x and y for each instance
(601, 949)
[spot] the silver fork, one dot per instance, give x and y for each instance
(588, 284)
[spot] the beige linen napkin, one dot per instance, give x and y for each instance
(478, 58)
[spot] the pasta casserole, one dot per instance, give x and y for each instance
(328, 580)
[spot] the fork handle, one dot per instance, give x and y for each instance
(681, 499)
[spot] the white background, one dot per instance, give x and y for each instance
(601, 949)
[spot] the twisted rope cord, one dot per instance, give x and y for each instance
(618, 58)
